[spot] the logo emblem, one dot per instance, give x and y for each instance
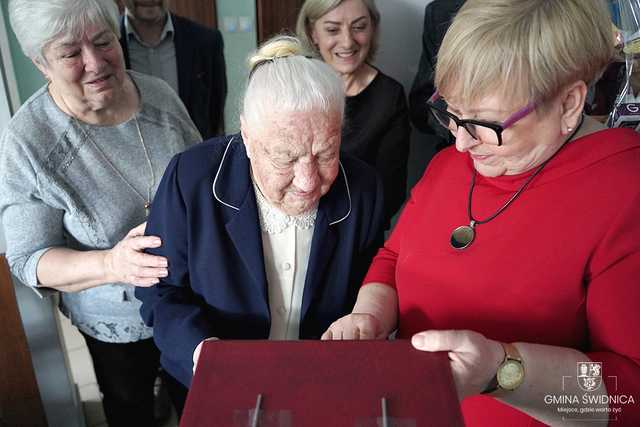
(589, 375)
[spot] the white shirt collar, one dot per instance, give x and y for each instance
(274, 221)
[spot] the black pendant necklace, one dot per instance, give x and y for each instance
(462, 237)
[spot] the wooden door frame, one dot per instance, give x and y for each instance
(20, 402)
(276, 16)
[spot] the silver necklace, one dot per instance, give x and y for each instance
(152, 181)
(463, 236)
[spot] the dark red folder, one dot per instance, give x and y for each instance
(321, 383)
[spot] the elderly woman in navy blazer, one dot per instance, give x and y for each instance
(268, 234)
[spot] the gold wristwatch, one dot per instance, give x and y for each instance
(510, 373)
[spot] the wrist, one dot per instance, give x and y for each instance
(108, 272)
(510, 372)
(496, 356)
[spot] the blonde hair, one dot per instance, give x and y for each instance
(284, 78)
(278, 47)
(312, 10)
(523, 50)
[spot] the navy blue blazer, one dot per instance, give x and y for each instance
(205, 212)
(202, 78)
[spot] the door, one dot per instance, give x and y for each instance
(201, 11)
(276, 16)
(20, 402)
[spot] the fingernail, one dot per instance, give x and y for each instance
(417, 341)
(165, 273)
(163, 263)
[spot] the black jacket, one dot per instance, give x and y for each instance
(206, 214)
(437, 17)
(202, 80)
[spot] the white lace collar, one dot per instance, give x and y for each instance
(274, 221)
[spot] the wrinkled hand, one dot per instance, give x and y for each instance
(126, 262)
(355, 326)
(474, 359)
(196, 352)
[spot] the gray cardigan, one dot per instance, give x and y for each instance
(57, 189)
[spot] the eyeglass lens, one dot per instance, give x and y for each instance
(484, 134)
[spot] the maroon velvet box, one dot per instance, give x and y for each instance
(321, 383)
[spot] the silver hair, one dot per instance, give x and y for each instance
(37, 23)
(283, 78)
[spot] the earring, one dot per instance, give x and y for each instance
(569, 129)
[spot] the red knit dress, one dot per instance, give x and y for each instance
(560, 266)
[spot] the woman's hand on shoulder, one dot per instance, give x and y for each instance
(355, 326)
(126, 261)
(474, 359)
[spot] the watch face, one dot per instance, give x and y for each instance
(510, 375)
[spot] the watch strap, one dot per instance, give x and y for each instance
(493, 383)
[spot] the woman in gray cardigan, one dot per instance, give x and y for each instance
(79, 165)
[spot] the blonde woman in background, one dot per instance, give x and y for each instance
(344, 33)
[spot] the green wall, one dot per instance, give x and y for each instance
(238, 43)
(28, 77)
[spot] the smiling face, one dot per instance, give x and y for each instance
(344, 35)
(147, 11)
(88, 71)
(527, 144)
(294, 158)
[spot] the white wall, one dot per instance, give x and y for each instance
(239, 41)
(401, 38)
(399, 56)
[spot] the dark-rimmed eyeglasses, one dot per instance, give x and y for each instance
(486, 132)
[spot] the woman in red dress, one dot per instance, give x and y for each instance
(519, 250)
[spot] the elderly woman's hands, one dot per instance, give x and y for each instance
(474, 359)
(126, 262)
